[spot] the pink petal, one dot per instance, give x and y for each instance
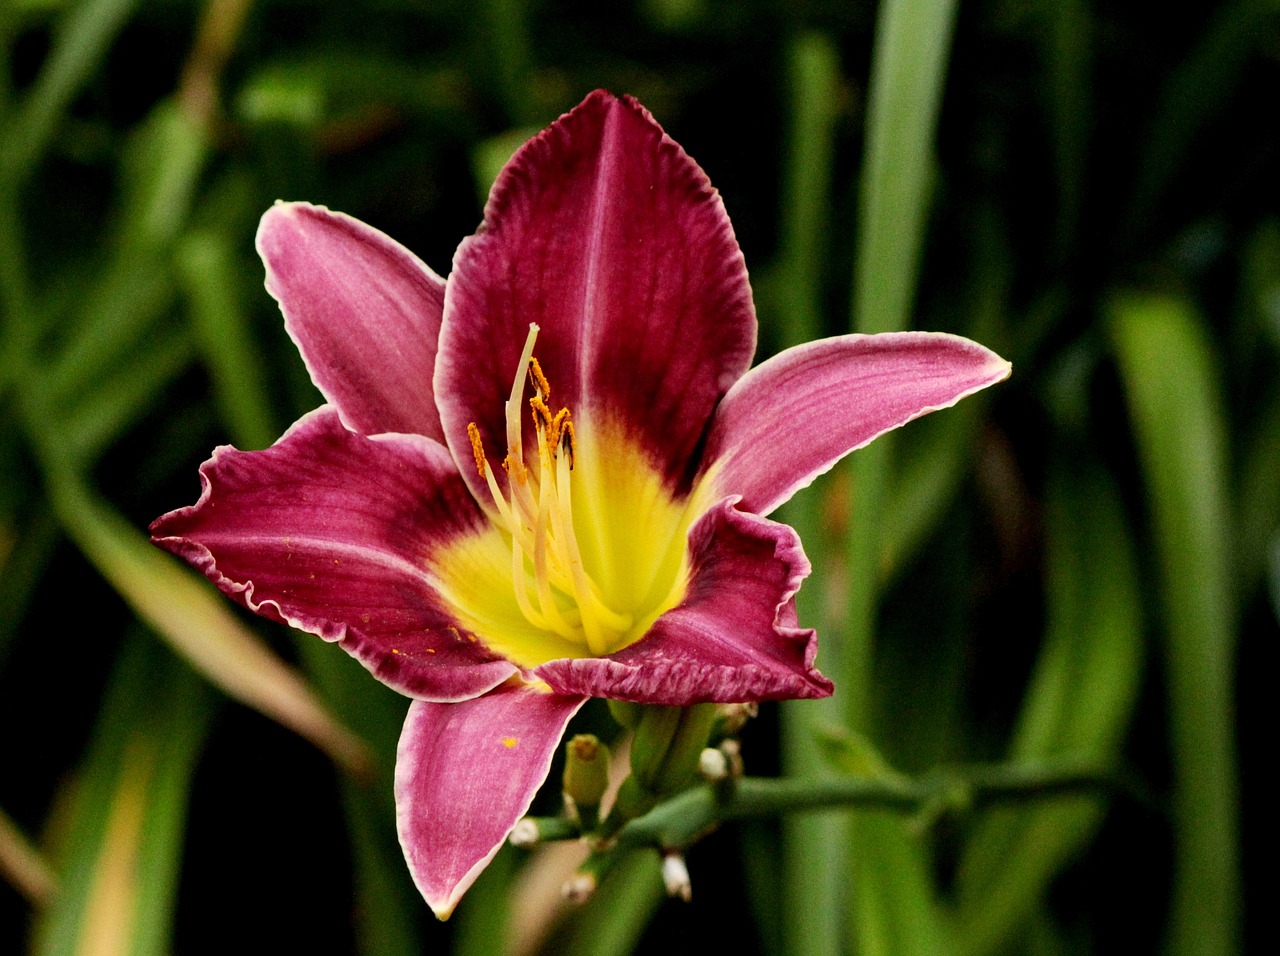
(734, 638)
(331, 532)
(791, 418)
(465, 773)
(607, 235)
(364, 312)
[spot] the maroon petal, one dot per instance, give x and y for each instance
(607, 235)
(733, 638)
(465, 773)
(791, 418)
(332, 533)
(364, 312)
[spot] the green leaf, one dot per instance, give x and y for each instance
(1175, 406)
(1195, 93)
(621, 908)
(814, 845)
(124, 395)
(23, 866)
(1078, 705)
(134, 288)
(121, 857)
(891, 889)
(853, 754)
(198, 622)
(207, 270)
(908, 70)
(83, 36)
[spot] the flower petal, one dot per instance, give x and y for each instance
(607, 235)
(332, 533)
(791, 418)
(465, 773)
(364, 312)
(734, 637)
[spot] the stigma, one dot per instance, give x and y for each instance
(553, 589)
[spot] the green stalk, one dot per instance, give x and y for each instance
(1174, 404)
(82, 39)
(893, 906)
(814, 864)
(1078, 704)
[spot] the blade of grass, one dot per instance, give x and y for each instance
(1256, 335)
(117, 400)
(124, 836)
(1078, 704)
(197, 622)
(892, 896)
(1194, 94)
(83, 36)
(1174, 406)
(813, 844)
(23, 866)
(384, 901)
(484, 926)
(385, 895)
(209, 278)
(21, 572)
(1067, 62)
(613, 921)
(135, 284)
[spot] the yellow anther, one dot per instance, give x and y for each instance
(538, 379)
(541, 414)
(567, 441)
(557, 429)
(477, 449)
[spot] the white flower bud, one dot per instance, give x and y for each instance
(525, 834)
(579, 887)
(713, 764)
(676, 876)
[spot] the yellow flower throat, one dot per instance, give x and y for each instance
(537, 513)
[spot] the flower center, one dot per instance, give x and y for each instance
(553, 589)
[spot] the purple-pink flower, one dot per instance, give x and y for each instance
(546, 478)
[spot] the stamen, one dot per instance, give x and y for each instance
(541, 414)
(594, 610)
(539, 380)
(477, 448)
(568, 443)
(541, 569)
(537, 511)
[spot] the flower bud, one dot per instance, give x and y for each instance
(713, 764)
(626, 713)
(675, 874)
(525, 834)
(586, 774)
(733, 717)
(667, 744)
(579, 887)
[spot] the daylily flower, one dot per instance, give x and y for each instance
(546, 479)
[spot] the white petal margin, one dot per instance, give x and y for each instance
(793, 417)
(465, 775)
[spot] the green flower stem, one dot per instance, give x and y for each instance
(679, 821)
(549, 829)
(664, 758)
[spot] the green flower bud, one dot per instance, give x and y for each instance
(586, 771)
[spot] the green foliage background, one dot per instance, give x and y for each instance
(1081, 564)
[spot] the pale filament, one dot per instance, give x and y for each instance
(537, 512)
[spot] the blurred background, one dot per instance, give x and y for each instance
(1080, 564)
